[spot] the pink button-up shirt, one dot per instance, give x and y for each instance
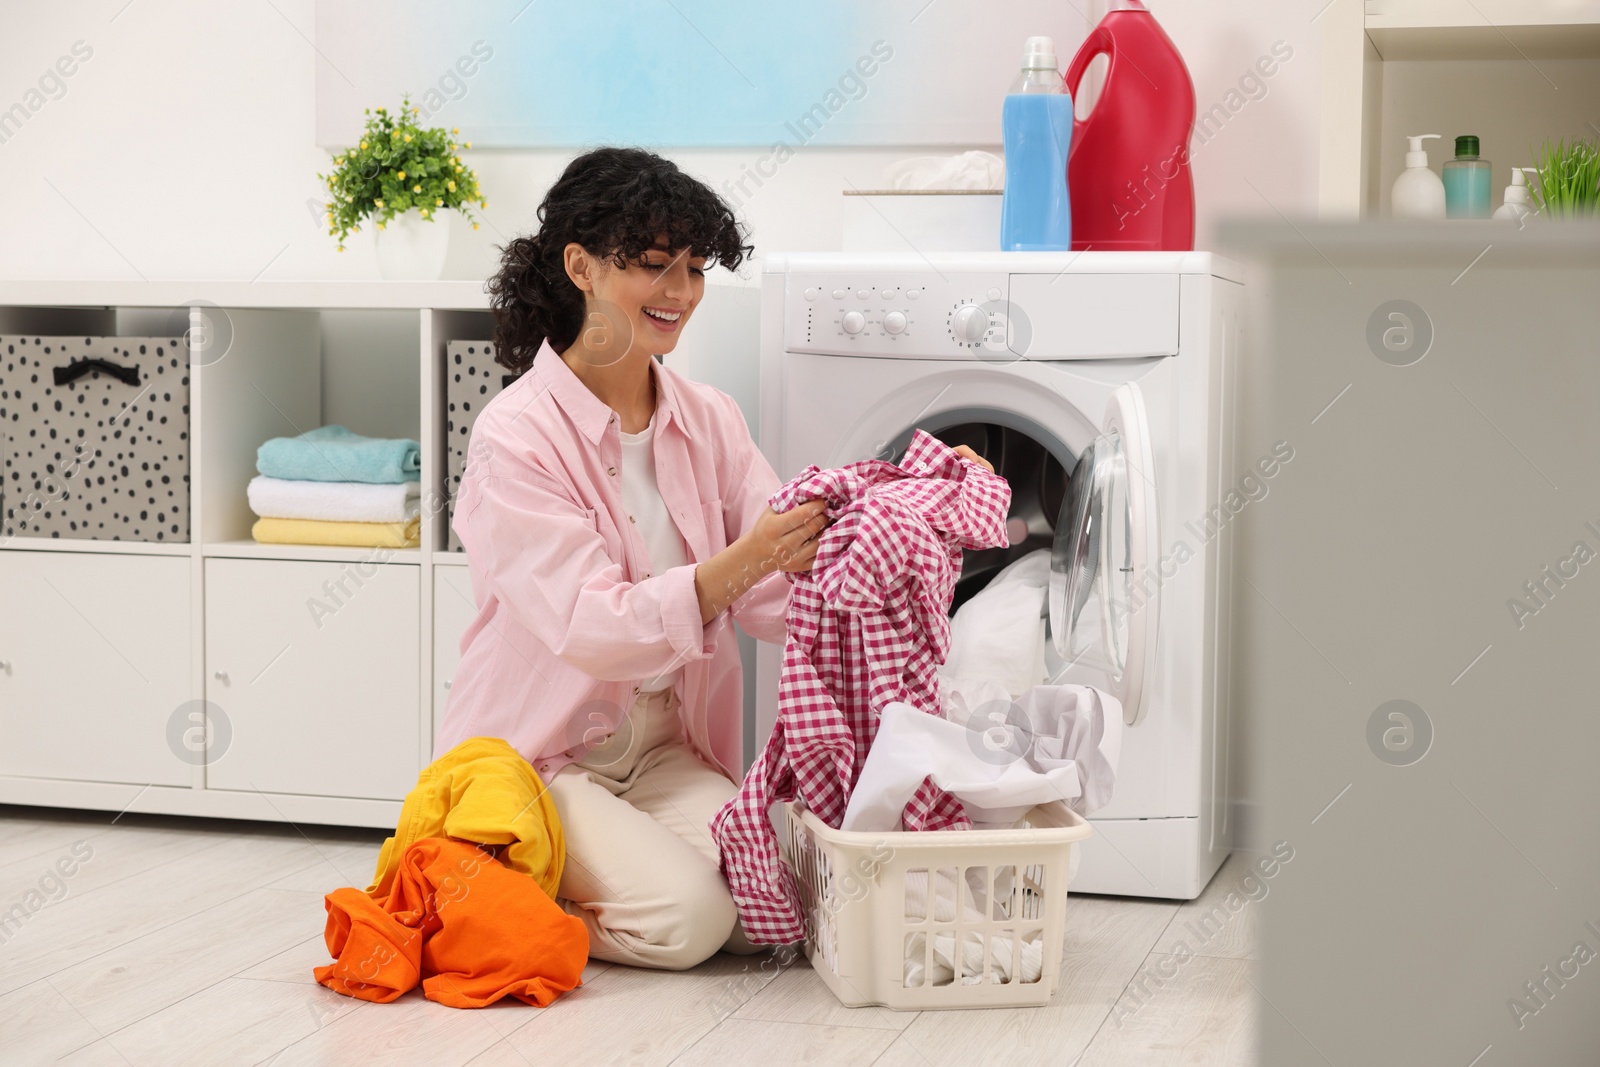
(570, 618)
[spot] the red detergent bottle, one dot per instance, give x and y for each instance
(1128, 169)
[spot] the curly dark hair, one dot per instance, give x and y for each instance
(615, 202)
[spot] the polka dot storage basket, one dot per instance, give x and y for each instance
(941, 919)
(95, 438)
(472, 379)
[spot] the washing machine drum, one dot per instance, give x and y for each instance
(1038, 495)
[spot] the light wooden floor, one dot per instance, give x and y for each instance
(191, 941)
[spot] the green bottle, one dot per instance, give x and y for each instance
(1466, 182)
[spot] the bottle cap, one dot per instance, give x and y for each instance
(1418, 156)
(1466, 145)
(1039, 53)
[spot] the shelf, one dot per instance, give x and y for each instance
(280, 358)
(1445, 14)
(283, 357)
(320, 553)
(76, 544)
(1513, 72)
(446, 295)
(1487, 42)
(1484, 29)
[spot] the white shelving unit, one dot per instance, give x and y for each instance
(106, 647)
(1514, 72)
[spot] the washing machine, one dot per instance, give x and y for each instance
(1101, 386)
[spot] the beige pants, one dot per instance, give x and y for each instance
(642, 871)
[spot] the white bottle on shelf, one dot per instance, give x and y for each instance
(1418, 193)
(1516, 206)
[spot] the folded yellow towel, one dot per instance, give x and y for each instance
(353, 534)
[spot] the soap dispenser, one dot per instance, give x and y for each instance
(1418, 193)
(1516, 206)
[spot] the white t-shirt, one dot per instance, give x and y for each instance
(641, 497)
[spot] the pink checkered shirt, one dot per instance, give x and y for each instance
(869, 624)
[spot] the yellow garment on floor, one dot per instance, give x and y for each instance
(323, 532)
(485, 792)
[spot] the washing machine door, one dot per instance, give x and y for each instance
(1104, 598)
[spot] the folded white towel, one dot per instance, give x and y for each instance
(282, 498)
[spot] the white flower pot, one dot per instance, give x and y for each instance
(413, 248)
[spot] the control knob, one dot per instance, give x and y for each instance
(894, 322)
(853, 322)
(970, 323)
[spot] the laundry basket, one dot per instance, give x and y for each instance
(939, 919)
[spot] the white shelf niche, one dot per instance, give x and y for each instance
(1513, 72)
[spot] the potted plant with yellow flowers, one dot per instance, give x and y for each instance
(406, 180)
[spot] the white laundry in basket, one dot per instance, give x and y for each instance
(1054, 743)
(941, 970)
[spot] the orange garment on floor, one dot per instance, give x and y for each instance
(469, 928)
(481, 790)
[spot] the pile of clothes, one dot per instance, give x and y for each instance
(329, 486)
(463, 898)
(891, 715)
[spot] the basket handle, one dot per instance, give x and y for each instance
(75, 370)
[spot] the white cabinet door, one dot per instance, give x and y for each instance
(453, 611)
(94, 665)
(313, 664)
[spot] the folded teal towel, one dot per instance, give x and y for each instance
(334, 454)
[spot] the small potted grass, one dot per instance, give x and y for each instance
(1569, 179)
(406, 180)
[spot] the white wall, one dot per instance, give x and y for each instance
(1263, 160)
(183, 146)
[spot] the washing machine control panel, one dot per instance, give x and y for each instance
(925, 316)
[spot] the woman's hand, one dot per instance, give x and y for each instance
(966, 453)
(788, 541)
(775, 541)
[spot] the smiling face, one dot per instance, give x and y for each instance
(648, 302)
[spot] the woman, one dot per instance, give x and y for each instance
(614, 518)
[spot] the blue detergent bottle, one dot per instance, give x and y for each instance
(1036, 124)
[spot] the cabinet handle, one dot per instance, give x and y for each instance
(221, 676)
(5, 665)
(446, 681)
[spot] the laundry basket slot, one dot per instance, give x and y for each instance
(942, 919)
